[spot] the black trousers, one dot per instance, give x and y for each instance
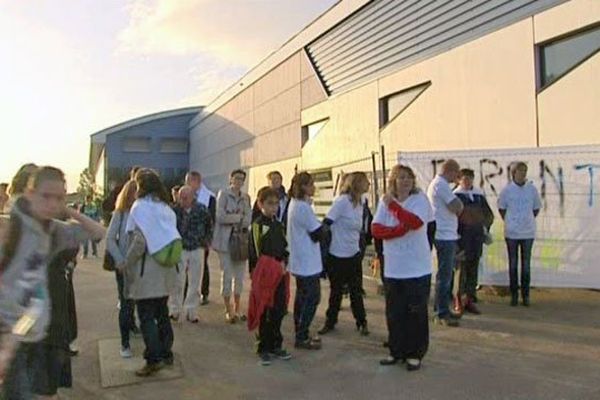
(345, 272)
(205, 283)
(406, 314)
(269, 330)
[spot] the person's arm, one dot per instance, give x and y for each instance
(488, 215)
(111, 237)
(221, 215)
(455, 206)
(537, 203)
(411, 220)
(135, 251)
(95, 230)
(247, 212)
(502, 203)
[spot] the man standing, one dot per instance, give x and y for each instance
(473, 225)
(206, 198)
(275, 180)
(446, 208)
(519, 203)
(194, 226)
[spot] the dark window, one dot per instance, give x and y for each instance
(137, 145)
(311, 130)
(559, 57)
(392, 105)
(174, 145)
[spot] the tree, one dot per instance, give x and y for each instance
(87, 184)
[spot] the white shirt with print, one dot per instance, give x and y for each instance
(519, 203)
(305, 255)
(408, 256)
(446, 222)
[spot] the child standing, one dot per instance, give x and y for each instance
(270, 281)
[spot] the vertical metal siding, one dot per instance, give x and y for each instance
(387, 35)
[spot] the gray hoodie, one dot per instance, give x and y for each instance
(25, 277)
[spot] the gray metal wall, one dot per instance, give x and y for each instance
(387, 35)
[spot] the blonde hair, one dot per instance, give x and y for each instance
(351, 185)
(126, 196)
(393, 177)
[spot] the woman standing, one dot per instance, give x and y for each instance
(304, 233)
(116, 245)
(233, 217)
(401, 222)
(151, 227)
(345, 253)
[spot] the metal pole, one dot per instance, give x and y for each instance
(375, 188)
(383, 167)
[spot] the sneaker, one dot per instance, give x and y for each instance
(204, 301)
(446, 321)
(363, 329)
(281, 354)
(174, 317)
(148, 370)
(308, 344)
(413, 364)
(326, 329)
(169, 361)
(265, 359)
(470, 307)
(231, 319)
(126, 352)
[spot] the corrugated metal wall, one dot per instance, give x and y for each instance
(387, 35)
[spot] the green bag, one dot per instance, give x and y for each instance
(170, 255)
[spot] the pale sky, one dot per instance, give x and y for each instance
(69, 68)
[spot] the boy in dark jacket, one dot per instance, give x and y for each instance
(270, 282)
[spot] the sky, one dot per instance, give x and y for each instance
(69, 68)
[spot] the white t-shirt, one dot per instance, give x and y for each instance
(408, 256)
(305, 255)
(347, 223)
(440, 195)
(519, 203)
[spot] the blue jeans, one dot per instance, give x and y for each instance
(156, 329)
(308, 296)
(525, 246)
(126, 317)
(446, 251)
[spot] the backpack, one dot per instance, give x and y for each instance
(170, 255)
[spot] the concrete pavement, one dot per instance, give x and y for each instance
(548, 351)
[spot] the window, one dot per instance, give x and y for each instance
(174, 145)
(137, 145)
(311, 130)
(559, 57)
(391, 106)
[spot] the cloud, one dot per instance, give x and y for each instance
(234, 32)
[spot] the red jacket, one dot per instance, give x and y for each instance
(265, 278)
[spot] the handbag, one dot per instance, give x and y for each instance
(108, 264)
(238, 244)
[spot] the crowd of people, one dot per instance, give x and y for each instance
(158, 243)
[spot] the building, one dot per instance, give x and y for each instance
(371, 83)
(158, 141)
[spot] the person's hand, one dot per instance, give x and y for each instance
(387, 199)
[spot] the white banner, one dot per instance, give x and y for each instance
(566, 251)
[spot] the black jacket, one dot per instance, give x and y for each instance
(267, 238)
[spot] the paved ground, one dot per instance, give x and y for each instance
(548, 351)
